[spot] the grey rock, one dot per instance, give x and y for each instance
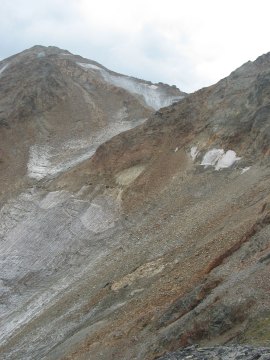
(219, 353)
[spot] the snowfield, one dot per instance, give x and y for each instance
(153, 95)
(37, 245)
(48, 161)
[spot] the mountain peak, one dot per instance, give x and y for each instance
(48, 49)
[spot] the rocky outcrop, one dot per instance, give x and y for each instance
(220, 353)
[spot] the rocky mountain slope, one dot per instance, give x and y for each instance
(159, 240)
(56, 108)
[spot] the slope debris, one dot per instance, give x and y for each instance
(119, 237)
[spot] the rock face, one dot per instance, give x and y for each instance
(220, 353)
(159, 240)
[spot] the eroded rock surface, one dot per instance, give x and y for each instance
(220, 353)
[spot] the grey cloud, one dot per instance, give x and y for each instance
(146, 53)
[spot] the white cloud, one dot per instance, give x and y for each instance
(188, 43)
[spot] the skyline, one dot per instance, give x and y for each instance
(190, 45)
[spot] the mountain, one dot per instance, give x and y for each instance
(131, 246)
(56, 108)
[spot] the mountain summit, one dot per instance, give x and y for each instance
(129, 229)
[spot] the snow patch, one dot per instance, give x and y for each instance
(212, 157)
(245, 169)
(194, 152)
(76, 144)
(154, 87)
(37, 242)
(153, 95)
(53, 199)
(89, 66)
(4, 68)
(47, 161)
(219, 159)
(39, 161)
(227, 160)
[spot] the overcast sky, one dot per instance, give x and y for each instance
(190, 43)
